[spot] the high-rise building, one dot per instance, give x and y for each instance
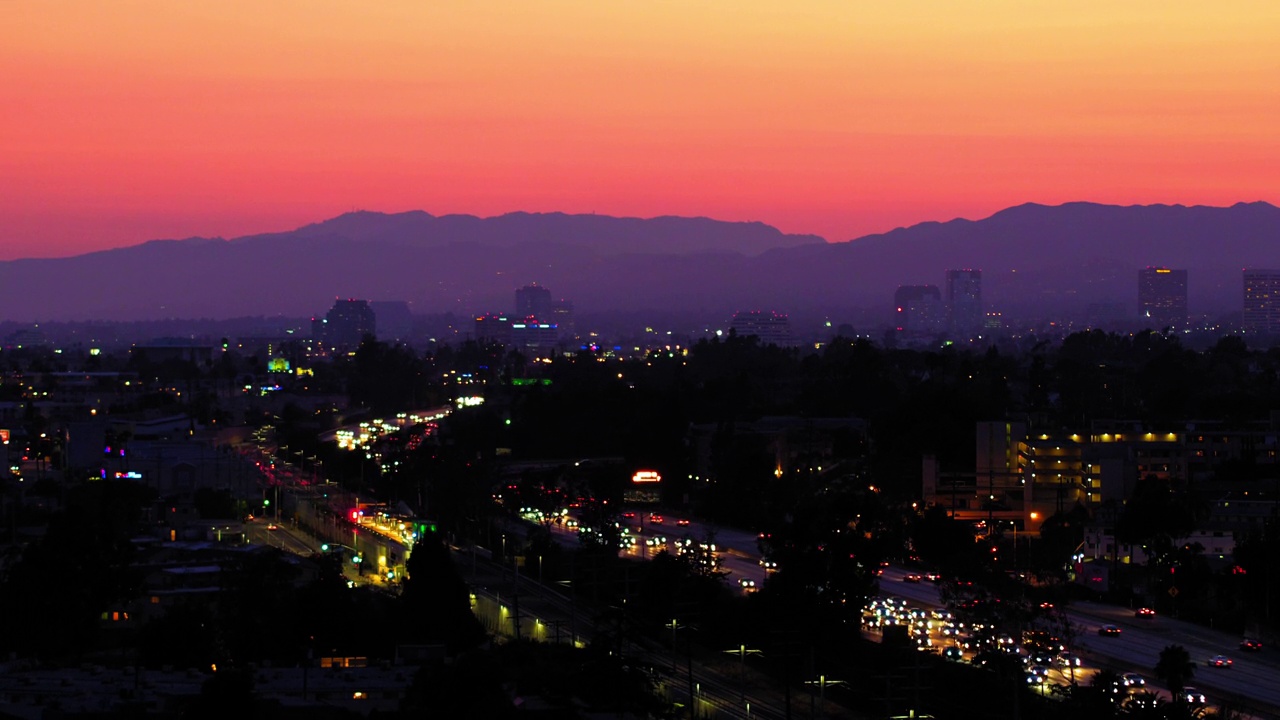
(562, 318)
(1162, 297)
(964, 302)
(494, 328)
(918, 310)
(534, 301)
(535, 339)
(1262, 301)
(346, 324)
(772, 328)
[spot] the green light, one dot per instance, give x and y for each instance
(507, 421)
(324, 547)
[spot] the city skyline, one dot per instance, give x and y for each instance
(834, 118)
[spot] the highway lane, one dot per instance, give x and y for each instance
(718, 690)
(1252, 680)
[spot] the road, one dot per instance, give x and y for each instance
(547, 612)
(1250, 682)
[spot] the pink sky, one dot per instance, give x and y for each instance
(140, 119)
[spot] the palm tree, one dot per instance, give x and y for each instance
(1175, 667)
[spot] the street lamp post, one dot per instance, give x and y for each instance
(674, 625)
(742, 651)
(822, 682)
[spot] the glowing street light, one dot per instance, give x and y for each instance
(742, 651)
(822, 682)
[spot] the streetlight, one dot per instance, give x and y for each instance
(822, 682)
(742, 651)
(573, 611)
(674, 625)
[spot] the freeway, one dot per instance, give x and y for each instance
(720, 685)
(1249, 682)
(737, 549)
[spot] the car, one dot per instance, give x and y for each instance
(629, 515)
(1133, 681)
(748, 584)
(911, 578)
(933, 577)
(655, 519)
(952, 653)
(1144, 612)
(1108, 629)
(682, 522)
(1068, 660)
(1219, 661)
(1046, 606)
(1192, 696)
(1039, 657)
(769, 565)
(1041, 670)
(1034, 679)
(1250, 645)
(273, 526)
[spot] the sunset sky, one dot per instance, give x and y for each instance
(130, 120)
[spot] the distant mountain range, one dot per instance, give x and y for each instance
(1034, 258)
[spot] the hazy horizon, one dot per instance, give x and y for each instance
(317, 221)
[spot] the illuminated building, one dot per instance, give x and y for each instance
(1262, 301)
(534, 301)
(562, 316)
(1162, 297)
(494, 328)
(535, 339)
(772, 328)
(918, 310)
(964, 302)
(346, 324)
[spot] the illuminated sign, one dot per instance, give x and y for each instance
(131, 475)
(646, 476)
(4, 437)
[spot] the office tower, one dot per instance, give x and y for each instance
(346, 324)
(1162, 297)
(534, 301)
(493, 328)
(535, 339)
(918, 310)
(1262, 301)
(964, 302)
(562, 318)
(772, 328)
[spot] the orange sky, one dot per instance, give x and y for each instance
(129, 120)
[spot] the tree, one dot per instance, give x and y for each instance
(435, 604)
(1175, 667)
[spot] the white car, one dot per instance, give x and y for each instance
(1133, 680)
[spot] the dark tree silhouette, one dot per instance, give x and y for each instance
(1175, 667)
